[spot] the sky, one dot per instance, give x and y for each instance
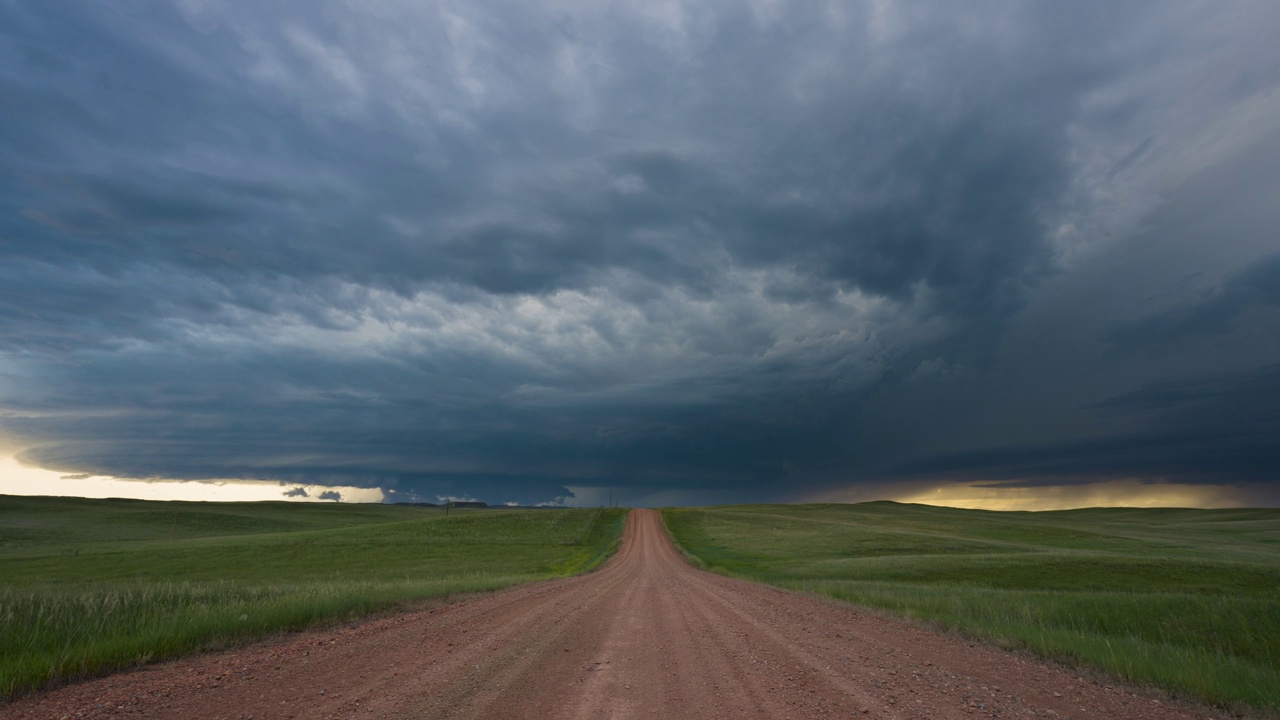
(991, 254)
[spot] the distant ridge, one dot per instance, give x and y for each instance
(457, 504)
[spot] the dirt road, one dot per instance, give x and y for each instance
(647, 636)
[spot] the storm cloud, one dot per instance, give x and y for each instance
(693, 251)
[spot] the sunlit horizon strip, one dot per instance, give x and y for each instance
(986, 495)
(19, 479)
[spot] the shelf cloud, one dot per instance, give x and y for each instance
(691, 252)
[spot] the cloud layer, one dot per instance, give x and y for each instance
(699, 251)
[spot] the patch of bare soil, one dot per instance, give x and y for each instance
(645, 636)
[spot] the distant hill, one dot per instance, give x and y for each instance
(456, 503)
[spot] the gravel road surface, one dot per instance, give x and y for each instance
(646, 636)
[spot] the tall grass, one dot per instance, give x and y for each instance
(1184, 600)
(103, 606)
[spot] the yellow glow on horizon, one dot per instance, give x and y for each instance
(1111, 493)
(19, 479)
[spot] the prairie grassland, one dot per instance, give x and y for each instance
(88, 586)
(1185, 600)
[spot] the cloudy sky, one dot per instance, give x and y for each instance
(682, 252)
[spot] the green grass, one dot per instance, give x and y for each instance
(1185, 600)
(88, 586)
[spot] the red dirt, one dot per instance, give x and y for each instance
(645, 636)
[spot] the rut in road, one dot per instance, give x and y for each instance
(646, 636)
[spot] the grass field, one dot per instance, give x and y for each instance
(1186, 600)
(93, 585)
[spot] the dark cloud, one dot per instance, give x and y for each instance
(518, 252)
(1255, 288)
(1218, 428)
